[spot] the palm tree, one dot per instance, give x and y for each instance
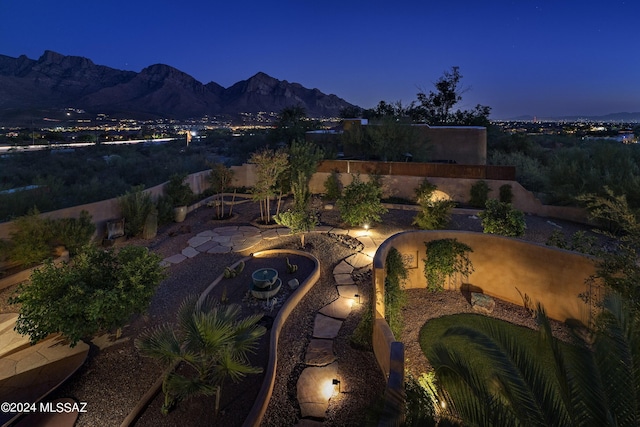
(211, 340)
(589, 386)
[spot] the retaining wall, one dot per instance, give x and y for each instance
(457, 189)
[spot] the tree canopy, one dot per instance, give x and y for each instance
(99, 291)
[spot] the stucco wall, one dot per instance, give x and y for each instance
(551, 276)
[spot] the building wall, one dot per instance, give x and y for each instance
(465, 145)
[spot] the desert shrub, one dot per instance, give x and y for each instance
(479, 194)
(135, 206)
(361, 203)
(446, 260)
(178, 191)
(506, 193)
(73, 233)
(165, 210)
(297, 221)
(580, 242)
(503, 219)
(333, 186)
(31, 240)
(435, 214)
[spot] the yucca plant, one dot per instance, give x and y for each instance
(212, 340)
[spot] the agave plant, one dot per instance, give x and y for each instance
(599, 385)
(212, 340)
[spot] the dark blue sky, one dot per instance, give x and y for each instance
(543, 58)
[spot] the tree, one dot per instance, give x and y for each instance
(502, 218)
(292, 123)
(598, 386)
(99, 291)
(220, 179)
(436, 108)
(303, 163)
(392, 139)
(360, 203)
(618, 268)
(270, 165)
(212, 341)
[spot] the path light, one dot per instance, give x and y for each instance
(336, 382)
(357, 296)
(328, 388)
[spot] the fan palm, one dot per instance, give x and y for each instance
(212, 341)
(598, 386)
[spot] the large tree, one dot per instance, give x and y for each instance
(292, 123)
(437, 107)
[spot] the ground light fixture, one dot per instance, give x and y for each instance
(336, 382)
(357, 296)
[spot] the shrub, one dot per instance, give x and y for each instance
(74, 233)
(31, 240)
(165, 210)
(333, 186)
(435, 214)
(178, 191)
(479, 194)
(135, 206)
(361, 203)
(446, 258)
(99, 291)
(502, 218)
(506, 193)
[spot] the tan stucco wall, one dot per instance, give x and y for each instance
(551, 276)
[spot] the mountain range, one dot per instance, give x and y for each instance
(46, 86)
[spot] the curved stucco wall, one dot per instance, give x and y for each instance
(551, 276)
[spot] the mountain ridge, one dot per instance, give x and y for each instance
(55, 82)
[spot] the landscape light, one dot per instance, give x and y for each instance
(336, 382)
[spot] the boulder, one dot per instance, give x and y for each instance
(482, 303)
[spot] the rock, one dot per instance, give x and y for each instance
(482, 303)
(328, 207)
(293, 283)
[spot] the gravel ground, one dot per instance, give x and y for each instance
(113, 379)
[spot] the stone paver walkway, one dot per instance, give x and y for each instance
(315, 386)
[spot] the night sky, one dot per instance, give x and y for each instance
(542, 58)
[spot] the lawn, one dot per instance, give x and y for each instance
(433, 332)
